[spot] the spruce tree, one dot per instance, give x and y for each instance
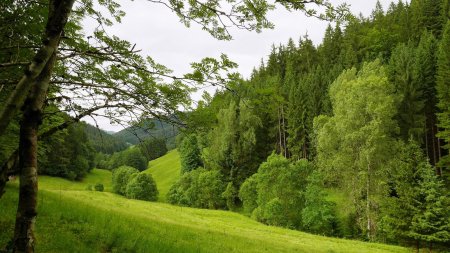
(431, 220)
(443, 93)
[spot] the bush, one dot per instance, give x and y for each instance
(276, 193)
(142, 187)
(210, 189)
(248, 195)
(318, 215)
(131, 157)
(230, 195)
(99, 187)
(120, 178)
(198, 188)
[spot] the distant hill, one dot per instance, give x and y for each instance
(151, 128)
(104, 142)
(108, 142)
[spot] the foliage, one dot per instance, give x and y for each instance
(356, 143)
(430, 220)
(248, 194)
(103, 142)
(233, 143)
(443, 92)
(99, 187)
(153, 148)
(189, 154)
(280, 188)
(120, 178)
(229, 195)
(142, 187)
(67, 154)
(318, 215)
(130, 157)
(198, 188)
(416, 209)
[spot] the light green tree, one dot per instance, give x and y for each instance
(355, 143)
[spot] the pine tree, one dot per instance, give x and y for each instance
(410, 113)
(443, 93)
(424, 75)
(431, 219)
(189, 154)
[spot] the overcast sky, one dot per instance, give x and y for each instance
(159, 34)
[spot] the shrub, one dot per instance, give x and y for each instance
(133, 157)
(230, 195)
(198, 188)
(99, 187)
(142, 187)
(276, 193)
(248, 194)
(318, 215)
(210, 189)
(120, 178)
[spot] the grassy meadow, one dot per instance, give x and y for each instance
(74, 219)
(165, 171)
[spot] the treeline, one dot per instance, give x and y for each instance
(104, 142)
(136, 156)
(150, 128)
(358, 124)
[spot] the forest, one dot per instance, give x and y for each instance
(349, 138)
(364, 113)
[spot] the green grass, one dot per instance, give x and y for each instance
(94, 177)
(71, 219)
(165, 171)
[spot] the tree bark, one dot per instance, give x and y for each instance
(26, 211)
(24, 239)
(11, 163)
(58, 14)
(369, 222)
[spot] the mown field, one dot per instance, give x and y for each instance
(74, 219)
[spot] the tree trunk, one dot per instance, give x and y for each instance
(6, 169)
(26, 211)
(280, 142)
(284, 132)
(10, 166)
(369, 232)
(24, 239)
(58, 14)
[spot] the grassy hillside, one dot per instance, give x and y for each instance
(72, 219)
(165, 170)
(94, 177)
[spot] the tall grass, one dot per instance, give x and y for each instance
(88, 221)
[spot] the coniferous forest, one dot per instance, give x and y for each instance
(348, 138)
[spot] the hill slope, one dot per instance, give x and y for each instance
(75, 220)
(165, 171)
(151, 128)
